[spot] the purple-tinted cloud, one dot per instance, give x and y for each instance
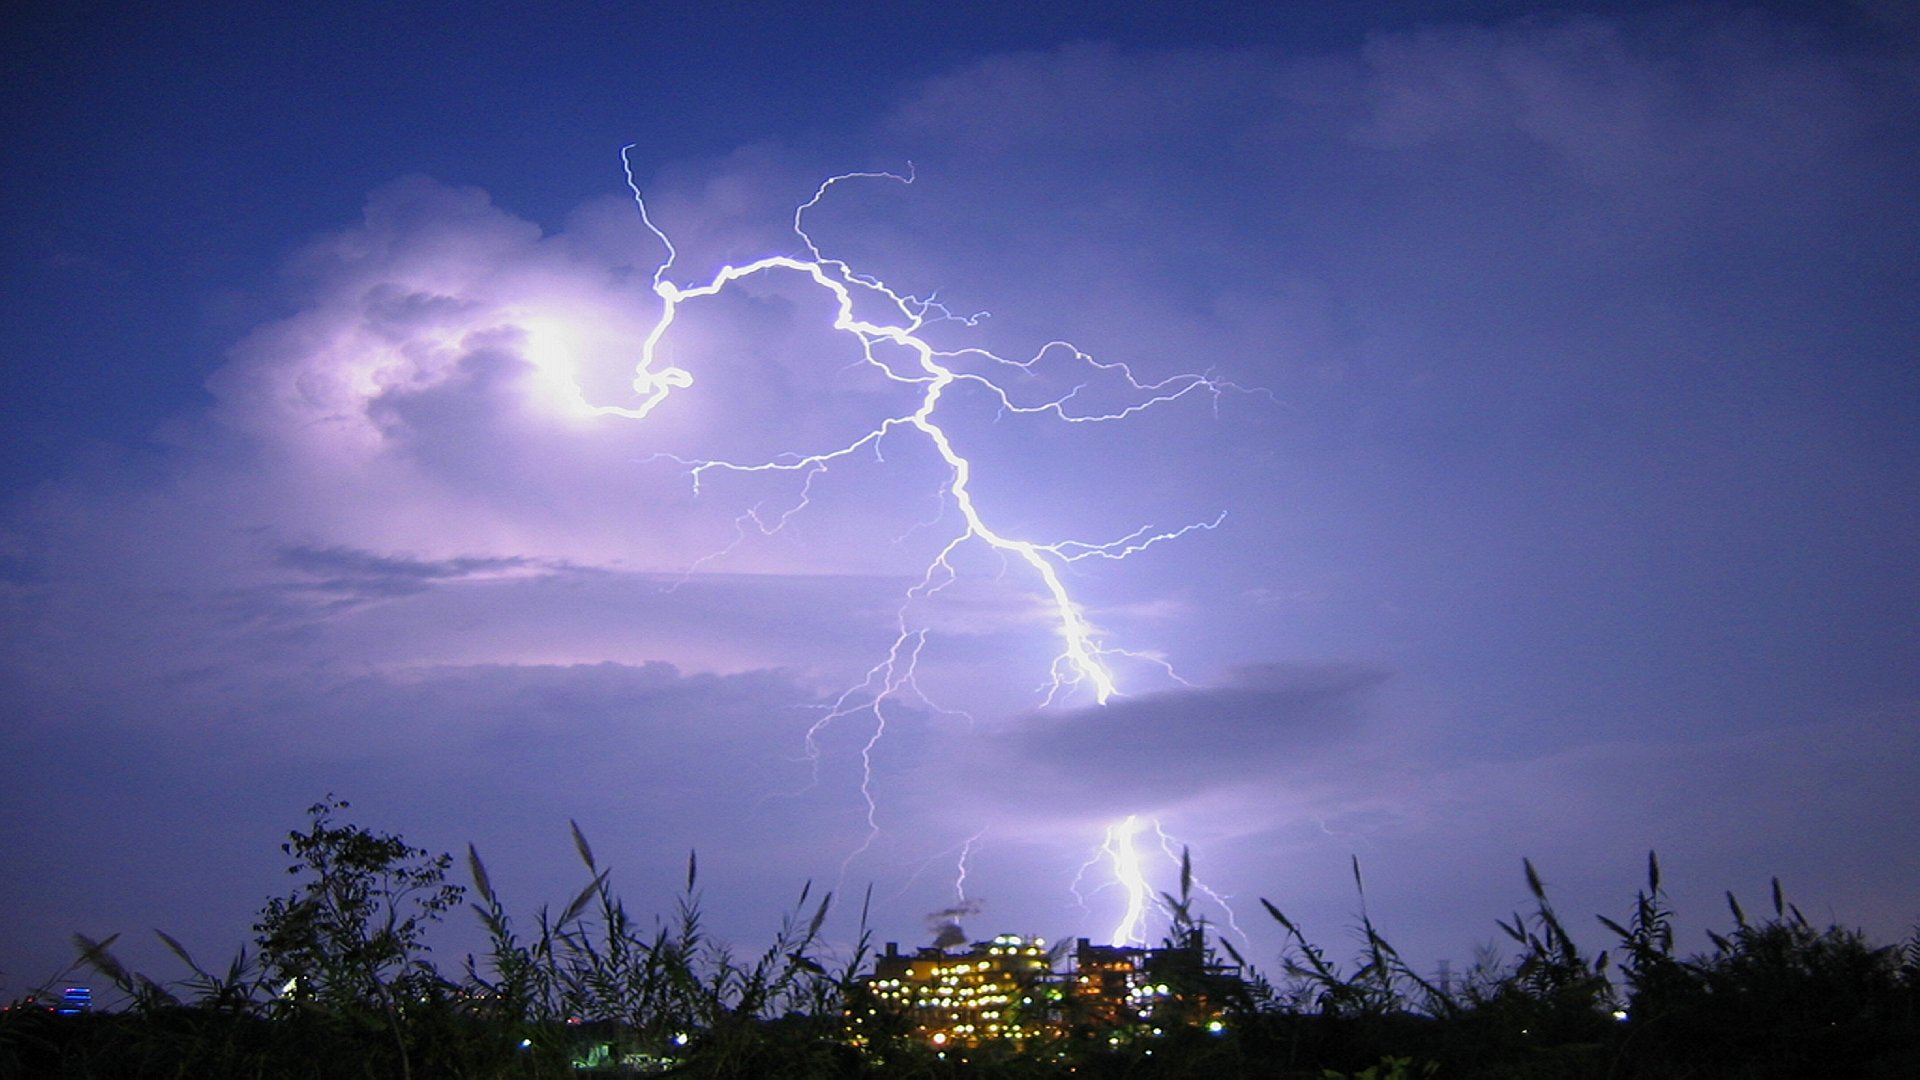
(1266, 724)
(1589, 350)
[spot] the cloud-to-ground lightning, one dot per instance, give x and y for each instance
(1121, 854)
(1126, 869)
(1117, 848)
(962, 903)
(960, 867)
(887, 327)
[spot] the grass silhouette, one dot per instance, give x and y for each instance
(340, 984)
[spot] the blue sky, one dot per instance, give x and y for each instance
(1564, 437)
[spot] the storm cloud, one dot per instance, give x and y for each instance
(1559, 507)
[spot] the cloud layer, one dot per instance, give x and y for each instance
(1571, 522)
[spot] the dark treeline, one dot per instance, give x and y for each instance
(338, 984)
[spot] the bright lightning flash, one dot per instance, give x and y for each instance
(1118, 850)
(887, 327)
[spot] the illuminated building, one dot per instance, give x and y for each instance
(1006, 992)
(1114, 988)
(1105, 985)
(995, 991)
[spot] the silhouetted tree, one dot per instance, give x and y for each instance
(349, 938)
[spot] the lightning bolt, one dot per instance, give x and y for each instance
(887, 327)
(1126, 869)
(964, 851)
(1117, 848)
(1119, 851)
(960, 868)
(1173, 850)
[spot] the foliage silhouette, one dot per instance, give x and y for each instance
(342, 985)
(350, 938)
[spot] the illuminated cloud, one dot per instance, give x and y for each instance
(1574, 525)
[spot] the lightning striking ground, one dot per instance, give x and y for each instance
(1117, 848)
(1126, 869)
(1128, 873)
(887, 327)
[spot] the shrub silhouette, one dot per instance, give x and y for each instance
(342, 985)
(1775, 998)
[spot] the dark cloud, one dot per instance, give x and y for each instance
(351, 573)
(1264, 722)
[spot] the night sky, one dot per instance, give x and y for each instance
(1560, 460)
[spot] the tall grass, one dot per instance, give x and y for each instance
(663, 995)
(591, 989)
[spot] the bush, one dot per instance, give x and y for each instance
(343, 986)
